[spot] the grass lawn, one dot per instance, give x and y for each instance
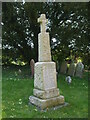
(17, 87)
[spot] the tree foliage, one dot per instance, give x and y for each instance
(68, 26)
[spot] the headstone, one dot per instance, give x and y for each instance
(45, 92)
(63, 67)
(32, 63)
(79, 70)
(71, 69)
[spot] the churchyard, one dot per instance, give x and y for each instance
(52, 82)
(17, 87)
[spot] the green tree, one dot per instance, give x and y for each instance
(68, 25)
(20, 30)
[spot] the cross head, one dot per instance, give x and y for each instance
(43, 21)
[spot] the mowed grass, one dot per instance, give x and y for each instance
(17, 86)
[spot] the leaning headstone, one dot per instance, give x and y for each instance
(79, 70)
(45, 92)
(63, 67)
(32, 63)
(71, 69)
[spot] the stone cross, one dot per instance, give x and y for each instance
(45, 92)
(43, 41)
(43, 21)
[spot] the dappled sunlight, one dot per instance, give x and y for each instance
(19, 63)
(79, 59)
(20, 101)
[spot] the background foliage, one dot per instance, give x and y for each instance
(68, 28)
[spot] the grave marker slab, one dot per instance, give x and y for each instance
(79, 70)
(63, 67)
(32, 63)
(71, 69)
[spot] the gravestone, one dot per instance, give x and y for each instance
(45, 92)
(71, 69)
(79, 69)
(32, 63)
(63, 67)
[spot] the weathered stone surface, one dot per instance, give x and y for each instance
(71, 70)
(46, 94)
(79, 70)
(63, 67)
(43, 21)
(45, 76)
(44, 47)
(43, 41)
(46, 103)
(45, 90)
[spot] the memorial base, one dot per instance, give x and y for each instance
(46, 103)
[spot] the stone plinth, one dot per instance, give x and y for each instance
(46, 103)
(45, 76)
(46, 94)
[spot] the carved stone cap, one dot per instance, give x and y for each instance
(43, 21)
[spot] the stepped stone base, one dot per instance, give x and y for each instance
(46, 103)
(46, 94)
